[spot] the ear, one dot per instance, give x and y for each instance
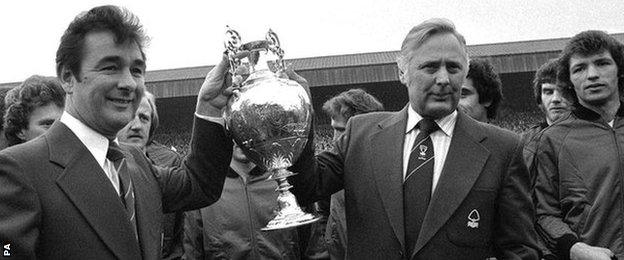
(487, 103)
(68, 79)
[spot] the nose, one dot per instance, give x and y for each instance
(592, 72)
(442, 77)
(134, 124)
(127, 81)
(557, 96)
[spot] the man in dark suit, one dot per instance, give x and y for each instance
(462, 192)
(73, 193)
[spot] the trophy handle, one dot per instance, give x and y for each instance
(275, 47)
(232, 43)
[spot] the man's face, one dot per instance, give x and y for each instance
(594, 78)
(40, 121)
(137, 131)
(554, 104)
(435, 74)
(338, 123)
(110, 86)
(469, 102)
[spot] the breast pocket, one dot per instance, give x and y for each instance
(471, 224)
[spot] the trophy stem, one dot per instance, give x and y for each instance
(289, 214)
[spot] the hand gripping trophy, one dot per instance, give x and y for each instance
(269, 118)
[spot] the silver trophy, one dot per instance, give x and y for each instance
(269, 118)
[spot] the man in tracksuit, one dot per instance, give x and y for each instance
(580, 159)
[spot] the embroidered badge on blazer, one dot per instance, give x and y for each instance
(473, 219)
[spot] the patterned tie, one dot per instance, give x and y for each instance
(126, 188)
(418, 181)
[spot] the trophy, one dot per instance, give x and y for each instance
(269, 118)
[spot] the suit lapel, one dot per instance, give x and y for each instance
(147, 203)
(463, 165)
(387, 146)
(87, 187)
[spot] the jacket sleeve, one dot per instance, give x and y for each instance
(198, 182)
(20, 211)
(320, 175)
(514, 236)
(557, 235)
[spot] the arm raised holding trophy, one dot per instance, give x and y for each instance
(268, 115)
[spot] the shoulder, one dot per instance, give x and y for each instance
(371, 118)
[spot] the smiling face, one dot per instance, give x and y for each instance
(137, 131)
(595, 79)
(110, 86)
(434, 76)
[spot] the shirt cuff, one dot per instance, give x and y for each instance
(214, 119)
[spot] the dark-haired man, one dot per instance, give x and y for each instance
(75, 193)
(36, 104)
(578, 189)
(481, 92)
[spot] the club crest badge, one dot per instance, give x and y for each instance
(473, 219)
(423, 152)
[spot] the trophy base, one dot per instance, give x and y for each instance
(290, 221)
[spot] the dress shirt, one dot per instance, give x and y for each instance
(97, 145)
(441, 140)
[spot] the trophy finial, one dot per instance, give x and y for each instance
(232, 40)
(232, 43)
(275, 47)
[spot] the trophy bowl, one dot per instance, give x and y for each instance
(269, 118)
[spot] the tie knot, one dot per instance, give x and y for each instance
(427, 126)
(114, 152)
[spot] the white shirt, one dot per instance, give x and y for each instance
(97, 145)
(441, 140)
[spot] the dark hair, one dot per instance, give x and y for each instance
(546, 74)
(487, 83)
(36, 91)
(3, 93)
(352, 102)
(124, 25)
(585, 44)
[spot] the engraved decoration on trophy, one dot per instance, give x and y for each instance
(269, 118)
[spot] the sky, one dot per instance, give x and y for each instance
(190, 33)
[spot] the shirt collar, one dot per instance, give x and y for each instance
(95, 142)
(446, 124)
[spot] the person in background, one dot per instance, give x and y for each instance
(578, 190)
(230, 228)
(554, 102)
(140, 132)
(3, 140)
(32, 108)
(340, 108)
(481, 92)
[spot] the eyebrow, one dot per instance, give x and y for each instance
(118, 60)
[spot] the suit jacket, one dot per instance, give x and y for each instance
(481, 206)
(57, 203)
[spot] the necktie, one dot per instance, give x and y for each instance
(116, 156)
(418, 181)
